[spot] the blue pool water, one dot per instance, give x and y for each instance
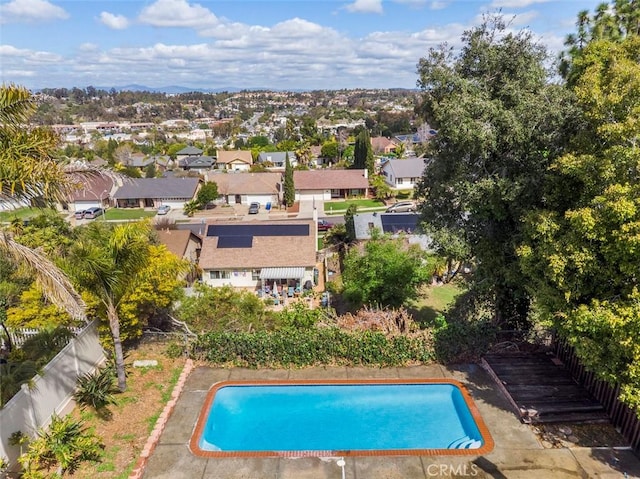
(339, 417)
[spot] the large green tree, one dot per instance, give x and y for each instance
(386, 273)
(107, 262)
(582, 255)
(363, 153)
(500, 123)
(289, 193)
(613, 21)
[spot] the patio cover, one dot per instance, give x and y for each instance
(279, 273)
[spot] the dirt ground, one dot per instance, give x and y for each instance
(578, 435)
(133, 418)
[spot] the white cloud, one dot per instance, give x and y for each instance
(21, 73)
(439, 4)
(31, 11)
(523, 19)
(515, 3)
(177, 13)
(365, 6)
(116, 22)
(88, 47)
(413, 3)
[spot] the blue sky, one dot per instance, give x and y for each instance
(296, 44)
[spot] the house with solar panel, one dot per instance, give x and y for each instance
(153, 192)
(394, 224)
(260, 256)
(403, 174)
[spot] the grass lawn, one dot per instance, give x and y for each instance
(335, 206)
(434, 300)
(23, 213)
(128, 213)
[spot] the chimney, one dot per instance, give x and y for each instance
(366, 173)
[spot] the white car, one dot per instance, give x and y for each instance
(163, 209)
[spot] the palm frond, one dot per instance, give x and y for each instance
(55, 284)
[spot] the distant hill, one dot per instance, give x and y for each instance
(174, 89)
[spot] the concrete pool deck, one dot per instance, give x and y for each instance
(517, 454)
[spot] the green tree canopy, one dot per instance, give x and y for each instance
(499, 125)
(363, 153)
(386, 273)
(207, 193)
(613, 21)
(289, 187)
(107, 262)
(582, 255)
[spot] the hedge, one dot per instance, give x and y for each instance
(309, 347)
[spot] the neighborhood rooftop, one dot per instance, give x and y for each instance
(330, 179)
(157, 188)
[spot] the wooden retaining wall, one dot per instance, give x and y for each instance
(622, 417)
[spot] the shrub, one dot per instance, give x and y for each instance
(60, 449)
(307, 347)
(460, 341)
(97, 389)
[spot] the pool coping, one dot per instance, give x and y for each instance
(195, 449)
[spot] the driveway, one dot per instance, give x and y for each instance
(517, 453)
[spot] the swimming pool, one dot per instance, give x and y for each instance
(339, 418)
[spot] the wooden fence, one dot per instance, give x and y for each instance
(622, 417)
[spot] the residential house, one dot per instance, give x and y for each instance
(153, 192)
(316, 157)
(184, 244)
(95, 191)
(200, 164)
(403, 174)
(246, 188)
(235, 160)
(324, 184)
(139, 161)
(187, 152)
(163, 162)
(260, 255)
(277, 159)
(382, 145)
(394, 224)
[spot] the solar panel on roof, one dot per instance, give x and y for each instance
(259, 230)
(395, 222)
(235, 241)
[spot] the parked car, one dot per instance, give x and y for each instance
(324, 225)
(79, 214)
(92, 213)
(254, 208)
(163, 209)
(402, 207)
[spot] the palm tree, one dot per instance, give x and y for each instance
(106, 263)
(28, 174)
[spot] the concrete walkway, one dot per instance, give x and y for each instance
(517, 453)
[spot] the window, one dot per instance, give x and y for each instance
(255, 274)
(219, 274)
